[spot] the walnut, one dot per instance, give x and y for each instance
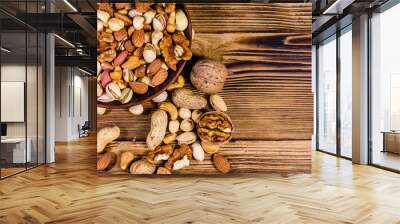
(179, 153)
(167, 50)
(160, 153)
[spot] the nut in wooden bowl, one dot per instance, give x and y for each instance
(142, 47)
(215, 128)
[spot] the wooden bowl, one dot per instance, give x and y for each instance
(153, 92)
(221, 114)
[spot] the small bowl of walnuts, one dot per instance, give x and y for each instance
(141, 49)
(215, 128)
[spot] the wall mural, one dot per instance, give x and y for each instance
(204, 88)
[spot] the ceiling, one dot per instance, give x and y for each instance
(22, 20)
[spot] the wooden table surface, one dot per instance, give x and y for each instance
(267, 50)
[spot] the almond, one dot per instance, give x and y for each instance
(106, 161)
(138, 38)
(221, 163)
(127, 21)
(159, 77)
(129, 46)
(154, 67)
(120, 34)
(141, 71)
(139, 87)
(138, 52)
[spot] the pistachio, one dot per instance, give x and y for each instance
(173, 126)
(136, 110)
(146, 80)
(138, 22)
(128, 75)
(103, 16)
(115, 24)
(126, 96)
(187, 125)
(105, 98)
(156, 36)
(113, 90)
(181, 20)
(133, 12)
(159, 22)
(148, 16)
(184, 113)
(160, 98)
(149, 53)
(196, 114)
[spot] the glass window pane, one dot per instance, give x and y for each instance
(385, 114)
(346, 94)
(327, 96)
(13, 88)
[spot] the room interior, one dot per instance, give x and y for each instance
(48, 128)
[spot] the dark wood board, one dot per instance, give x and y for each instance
(267, 49)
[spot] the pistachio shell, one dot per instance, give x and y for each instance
(149, 53)
(138, 22)
(137, 109)
(128, 75)
(115, 24)
(126, 96)
(196, 114)
(105, 98)
(187, 125)
(184, 113)
(148, 16)
(133, 12)
(181, 20)
(159, 22)
(113, 90)
(173, 126)
(156, 36)
(103, 16)
(160, 98)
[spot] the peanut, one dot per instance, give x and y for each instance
(158, 127)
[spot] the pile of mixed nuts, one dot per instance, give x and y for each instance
(137, 44)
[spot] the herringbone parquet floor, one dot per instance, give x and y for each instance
(71, 192)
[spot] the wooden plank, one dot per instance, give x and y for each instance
(267, 49)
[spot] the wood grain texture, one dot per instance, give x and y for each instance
(267, 50)
(69, 191)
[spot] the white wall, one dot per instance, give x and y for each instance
(69, 82)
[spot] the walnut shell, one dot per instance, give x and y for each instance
(208, 76)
